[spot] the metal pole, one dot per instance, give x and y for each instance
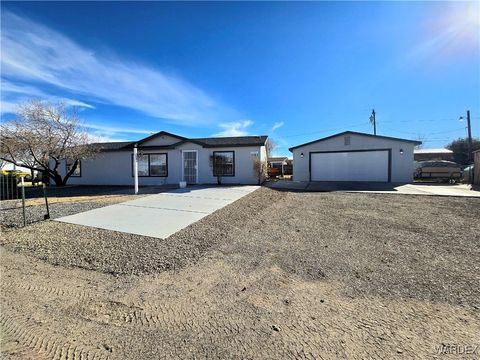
(470, 147)
(23, 202)
(469, 136)
(135, 168)
(47, 215)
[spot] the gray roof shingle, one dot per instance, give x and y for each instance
(233, 141)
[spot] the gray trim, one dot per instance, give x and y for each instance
(347, 151)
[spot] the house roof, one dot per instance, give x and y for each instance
(357, 133)
(111, 146)
(233, 141)
(432, 151)
(160, 133)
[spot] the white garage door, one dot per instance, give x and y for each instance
(350, 166)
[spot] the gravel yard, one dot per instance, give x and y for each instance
(275, 274)
(11, 213)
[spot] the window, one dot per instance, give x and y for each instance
(223, 163)
(346, 140)
(158, 164)
(142, 165)
(151, 165)
(78, 170)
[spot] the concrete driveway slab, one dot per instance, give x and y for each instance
(378, 187)
(160, 215)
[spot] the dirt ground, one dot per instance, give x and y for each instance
(278, 275)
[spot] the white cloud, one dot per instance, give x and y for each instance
(277, 125)
(235, 128)
(105, 133)
(99, 138)
(33, 53)
(116, 130)
(14, 93)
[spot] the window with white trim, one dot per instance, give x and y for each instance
(223, 163)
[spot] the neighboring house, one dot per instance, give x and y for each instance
(165, 158)
(432, 154)
(354, 156)
(278, 162)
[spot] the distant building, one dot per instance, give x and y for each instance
(432, 154)
(282, 163)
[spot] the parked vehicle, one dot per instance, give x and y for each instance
(467, 173)
(439, 170)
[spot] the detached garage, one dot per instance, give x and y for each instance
(353, 156)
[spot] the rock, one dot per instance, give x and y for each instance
(275, 328)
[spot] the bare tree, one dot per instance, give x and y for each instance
(270, 145)
(260, 169)
(43, 134)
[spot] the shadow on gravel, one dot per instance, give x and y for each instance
(87, 190)
(326, 186)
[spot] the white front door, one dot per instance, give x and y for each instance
(190, 166)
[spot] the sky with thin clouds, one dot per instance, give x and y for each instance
(294, 71)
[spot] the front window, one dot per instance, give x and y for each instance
(151, 165)
(158, 164)
(142, 165)
(223, 163)
(78, 171)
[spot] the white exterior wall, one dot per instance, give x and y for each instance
(402, 164)
(115, 167)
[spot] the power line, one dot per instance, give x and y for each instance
(447, 131)
(326, 130)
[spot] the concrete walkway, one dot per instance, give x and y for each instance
(373, 187)
(160, 215)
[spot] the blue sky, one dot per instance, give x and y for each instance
(294, 71)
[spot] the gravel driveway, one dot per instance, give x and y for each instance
(274, 275)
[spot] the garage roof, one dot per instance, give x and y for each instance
(357, 133)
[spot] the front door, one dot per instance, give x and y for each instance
(190, 168)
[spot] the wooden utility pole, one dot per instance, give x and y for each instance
(470, 157)
(373, 122)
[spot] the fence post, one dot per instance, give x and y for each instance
(44, 186)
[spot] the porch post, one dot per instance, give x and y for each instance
(135, 168)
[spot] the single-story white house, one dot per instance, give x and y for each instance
(165, 158)
(354, 156)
